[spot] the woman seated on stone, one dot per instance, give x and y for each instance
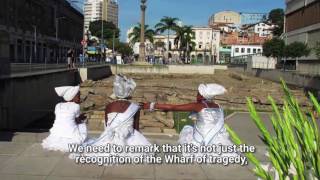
(69, 126)
(121, 121)
(209, 127)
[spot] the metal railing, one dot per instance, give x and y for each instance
(9, 68)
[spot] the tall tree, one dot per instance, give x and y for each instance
(123, 48)
(274, 48)
(184, 39)
(296, 50)
(167, 24)
(276, 16)
(134, 36)
(108, 29)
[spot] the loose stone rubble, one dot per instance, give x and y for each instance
(177, 89)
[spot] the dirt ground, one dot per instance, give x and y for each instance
(183, 89)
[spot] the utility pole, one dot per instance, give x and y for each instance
(113, 39)
(142, 49)
(35, 41)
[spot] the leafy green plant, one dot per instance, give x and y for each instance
(294, 149)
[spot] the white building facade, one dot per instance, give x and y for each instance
(262, 29)
(243, 50)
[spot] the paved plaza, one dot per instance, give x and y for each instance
(22, 157)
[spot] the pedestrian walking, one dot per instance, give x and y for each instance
(69, 58)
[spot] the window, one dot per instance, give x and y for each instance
(243, 50)
(237, 50)
(254, 50)
(259, 50)
(248, 50)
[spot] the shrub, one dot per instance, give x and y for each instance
(294, 149)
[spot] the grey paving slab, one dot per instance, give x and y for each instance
(174, 171)
(242, 124)
(9, 148)
(69, 178)
(37, 150)
(130, 171)
(115, 178)
(24, 137)
(68, 168)
(231, 172)
(23, 165)
(21, 177)
(4, 160)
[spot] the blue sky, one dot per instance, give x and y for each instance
(191, 12)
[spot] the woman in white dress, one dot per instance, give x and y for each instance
(121, 123)
(69, 126)
(209, 126)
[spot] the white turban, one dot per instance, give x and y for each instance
(208, 91)
(67, 92)
(123, 87)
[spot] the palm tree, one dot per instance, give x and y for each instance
(167, 24)
(135, 35)
(184, 39)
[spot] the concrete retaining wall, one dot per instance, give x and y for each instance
(292, 78)
(95, 73)
(163, 69)
(28, 97)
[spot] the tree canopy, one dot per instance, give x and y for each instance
(123, 48)
(108, 29)
(134, 36)
(296, 50)
(317, 49)
(167, 24)
(274, 48)
(276, 16)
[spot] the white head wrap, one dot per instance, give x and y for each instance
(123, 87)
(208, 91)
(67, 92)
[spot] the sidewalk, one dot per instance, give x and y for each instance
(22, 157)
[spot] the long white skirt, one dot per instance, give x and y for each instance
(187, 137)
(59, 142)
(106, 139)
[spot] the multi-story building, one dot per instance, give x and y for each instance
(261, 29)
(303, 24)
(225, 17)
(207, 42)
(243, 50)
(106, 10)
(253, 18)
(38, 31)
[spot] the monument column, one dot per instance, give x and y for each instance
(142, 47)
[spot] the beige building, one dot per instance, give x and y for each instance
(303, 25)
(207, 42)
(101, 10)
(225, 17)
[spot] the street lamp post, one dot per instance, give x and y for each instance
(142, 46)
(57, 25)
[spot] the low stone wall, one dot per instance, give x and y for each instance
(220, 67)
(292, 78)
(95, 73)
(163, 69)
